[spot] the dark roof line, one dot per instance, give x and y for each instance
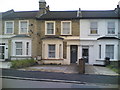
(104, 37)
(59, 15)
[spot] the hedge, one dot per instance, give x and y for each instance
(22, 63)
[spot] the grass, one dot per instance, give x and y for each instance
(22, 63)
(115, 66)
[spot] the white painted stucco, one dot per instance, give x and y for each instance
(87, 39)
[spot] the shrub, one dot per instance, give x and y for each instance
(114, 65)
(22, 63)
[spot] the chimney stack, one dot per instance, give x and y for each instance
(79, 13)
(119, 4)
(42, 6)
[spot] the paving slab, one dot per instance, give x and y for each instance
(100, 70)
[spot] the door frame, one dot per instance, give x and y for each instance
(76, 54)
(4, 51)
(86, 47)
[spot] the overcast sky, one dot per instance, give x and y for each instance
(58, 5)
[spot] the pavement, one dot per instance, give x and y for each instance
(89, 69)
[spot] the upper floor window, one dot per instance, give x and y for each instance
(50, 28)
(93, 28)
(65, 27)
(23, 27)
(111, 27)
(9, 27)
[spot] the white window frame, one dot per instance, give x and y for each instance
(46, 27)
(54, 51)
(91, 28)
(18, 48)
(62, 27)
(24, 49)
(6, 28)
(113, 50)
(100, 53)
(108, 28)
(20, 26)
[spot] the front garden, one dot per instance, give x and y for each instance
(22, 63)
(115, 66)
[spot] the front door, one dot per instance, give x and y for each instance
(2, 52)
(73, 51)
(85, 54)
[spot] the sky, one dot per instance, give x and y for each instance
(58, 5)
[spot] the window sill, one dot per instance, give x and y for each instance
(9, 34)
(23, 33)
(21, 56)
(52, 59)
(93, 35)
(66, 35)
(49, 34)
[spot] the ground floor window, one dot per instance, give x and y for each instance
(99, 51)
(18, 48)
(21, 48)
(51, 51)
(110, 51)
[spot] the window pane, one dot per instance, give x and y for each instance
(93, 25)
(18, 48)
(51, 51)
(18, 44)
(110, 51)
(9, 27)
(100, 51)
(18, 51)
(27, 48)
(23, 27)
(111, 27)
(93, 28)
(66, 27)
(50, 28)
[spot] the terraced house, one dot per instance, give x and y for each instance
(51, 36)
(99, 35)
(58, 37)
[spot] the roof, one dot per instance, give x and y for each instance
(21, 36)
(62, 15)
(56, 15)
(52, 37)
(108, 37)
(105, 14)
(53, 15)
(21, 15)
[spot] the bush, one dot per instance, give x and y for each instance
(114, 65)
(22, 63)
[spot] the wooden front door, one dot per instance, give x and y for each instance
(85, 54)
(73, 53)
